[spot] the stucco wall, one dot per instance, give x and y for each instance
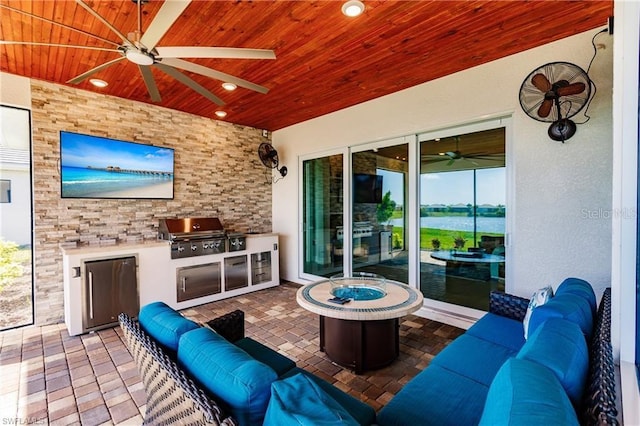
(217, 173)
(561, 203)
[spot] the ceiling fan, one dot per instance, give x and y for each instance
(452, 156)
(142, 49)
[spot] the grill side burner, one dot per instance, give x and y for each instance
(194, 236)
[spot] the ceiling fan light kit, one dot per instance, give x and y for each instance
(139, 57)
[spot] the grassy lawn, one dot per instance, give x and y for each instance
(446, 237)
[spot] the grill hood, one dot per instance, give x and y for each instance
(190, 228)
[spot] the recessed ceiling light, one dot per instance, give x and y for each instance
(229, 86)
(98, 83)
(221, 114)
(353, 8)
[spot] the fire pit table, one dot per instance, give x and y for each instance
(362, 333)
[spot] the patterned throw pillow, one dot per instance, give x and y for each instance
(539, 297)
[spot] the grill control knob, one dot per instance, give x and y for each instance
(194, 248)
(180, 249)
(205, 246)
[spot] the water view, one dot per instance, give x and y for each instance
(493, 225)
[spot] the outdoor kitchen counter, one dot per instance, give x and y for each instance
(157, 272)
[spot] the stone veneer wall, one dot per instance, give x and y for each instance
(217, 173)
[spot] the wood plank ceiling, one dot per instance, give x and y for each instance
(325, 61)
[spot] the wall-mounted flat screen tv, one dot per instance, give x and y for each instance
(367, 188)
(96, 167)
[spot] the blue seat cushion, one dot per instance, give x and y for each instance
(278, 362)
(474, 358)
(164, 324)
(362, 413)
(560, 346)
(298, 400)
(228, 373)
(510, 335)
(526, 393)
(580, 288)
(568, 306)
(435, 396)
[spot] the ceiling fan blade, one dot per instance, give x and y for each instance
(190, 83)
(105, 22)
(83, 76)
(58, 23)
(214, 52)
(572, 89)
(541, 82)
(545, 108)
(152, 88)
(164, 19)
(208, 72)
(31, 43)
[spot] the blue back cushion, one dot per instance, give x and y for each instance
(571, 307)
(526, 393)
(164, 324)
(229, 373)
(510, 335)
(298, 400)
(580, 288)
(560, 346)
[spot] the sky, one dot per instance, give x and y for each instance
(451, 187)
(83, 150)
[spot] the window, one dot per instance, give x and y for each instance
(5, 191)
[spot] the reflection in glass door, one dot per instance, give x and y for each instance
(379, 179)
(16, 282)
(462, 217)
(322, 212)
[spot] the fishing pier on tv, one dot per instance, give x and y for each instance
(116, 169)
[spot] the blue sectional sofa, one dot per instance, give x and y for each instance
(562, 374)
(195, 375)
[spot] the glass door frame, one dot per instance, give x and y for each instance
(348, 204)
(346, 191)
(448, 309)
(31, 216)
(411, 209)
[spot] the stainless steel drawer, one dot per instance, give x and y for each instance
(198, 281)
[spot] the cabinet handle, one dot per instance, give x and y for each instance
(184, 284)
(91, 295)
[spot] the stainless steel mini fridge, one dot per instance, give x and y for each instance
(110, 287)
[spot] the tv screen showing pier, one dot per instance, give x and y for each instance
(97, 167)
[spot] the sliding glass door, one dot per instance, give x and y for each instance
(322, 215)
(428, 210)
(462, 217)
(16, 281)
(379, 220)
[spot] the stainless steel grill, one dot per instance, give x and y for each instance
(198, 236)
